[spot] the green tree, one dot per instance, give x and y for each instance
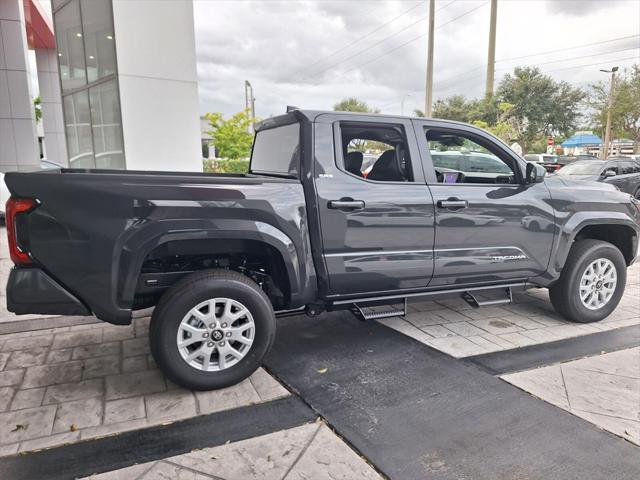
(540, 105)
(455, 107)
(352, 104)
(231, 137)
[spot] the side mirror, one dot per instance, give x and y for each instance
(608, 173)
(535, 173)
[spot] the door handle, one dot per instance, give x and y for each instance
(346, 204)
(452, 203)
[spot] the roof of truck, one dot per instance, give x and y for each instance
(311, 116)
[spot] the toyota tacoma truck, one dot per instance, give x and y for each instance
(443, 208)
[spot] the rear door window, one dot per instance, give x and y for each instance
(277, 151)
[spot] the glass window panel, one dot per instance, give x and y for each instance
(106, 125)
(78, 130)
(277, 150)
(70, 46)
(100, 52)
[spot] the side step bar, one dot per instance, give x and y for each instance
(474, 302)
(368, 312)
(371, 313)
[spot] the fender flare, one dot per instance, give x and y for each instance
(131, 250)
(577, 223)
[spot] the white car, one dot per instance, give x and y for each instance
(540, 158)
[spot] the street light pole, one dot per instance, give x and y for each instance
(607, 132)
(428, 101)
(249, 102)
(402, 103)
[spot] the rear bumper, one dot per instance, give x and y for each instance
(30, 290)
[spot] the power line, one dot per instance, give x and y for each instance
(568, 48)
(635, 57)
(557, 60)
(393, 35)
(410, 41)
(542, 53)
(380, 27)
(476, 77)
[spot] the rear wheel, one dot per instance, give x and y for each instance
(211, 330)
(592, 282)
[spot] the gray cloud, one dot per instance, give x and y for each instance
(579, 8)
(277, 46)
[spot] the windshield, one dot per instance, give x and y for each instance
(587, 167)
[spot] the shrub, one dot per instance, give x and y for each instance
(225, 166)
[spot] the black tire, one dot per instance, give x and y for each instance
(188, 293)
(565, 292)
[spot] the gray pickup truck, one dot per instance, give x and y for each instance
(438, 208)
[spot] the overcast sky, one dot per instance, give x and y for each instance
(313, 53)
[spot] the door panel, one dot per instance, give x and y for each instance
(505, 232)
(383, 244)
(487, 232)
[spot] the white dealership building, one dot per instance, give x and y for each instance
(117, 84)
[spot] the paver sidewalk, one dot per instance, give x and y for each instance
(72, 383)
(460, 330)
(604, 389)
(307, 452)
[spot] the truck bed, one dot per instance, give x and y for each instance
(93, 230)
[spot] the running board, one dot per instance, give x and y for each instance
(365, 313)
(474, 302)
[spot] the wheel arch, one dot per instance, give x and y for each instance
(618, 230)
(240, 236)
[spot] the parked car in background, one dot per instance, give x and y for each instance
(623, 172)
(540, 158)
(564, 160)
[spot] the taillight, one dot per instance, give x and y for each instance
(15, 207)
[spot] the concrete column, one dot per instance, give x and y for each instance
(55, 147)
(155, 47)
(18, 139)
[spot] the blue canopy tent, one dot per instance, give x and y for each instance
(581, 140)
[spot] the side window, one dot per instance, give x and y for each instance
(627, 167)
(277, 150)
(376, 152)
(459, 159)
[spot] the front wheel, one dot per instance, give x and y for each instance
(592, 282)
(211, 330)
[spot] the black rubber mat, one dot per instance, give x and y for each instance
(416, 413)
(534, 356)
(150, 444)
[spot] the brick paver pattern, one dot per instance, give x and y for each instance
(604, 389)
(65, 384)
(310, 451)
(460, 330)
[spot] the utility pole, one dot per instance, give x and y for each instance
(428, 102)
(249, 102)
(491, 57)
(607, 133)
